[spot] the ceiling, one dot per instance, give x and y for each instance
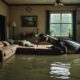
(40, 1)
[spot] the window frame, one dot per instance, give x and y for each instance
(61, 23)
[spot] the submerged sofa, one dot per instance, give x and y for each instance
(38, 50)
(23, 47)
(6, 50)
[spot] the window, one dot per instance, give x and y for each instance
(61, 24)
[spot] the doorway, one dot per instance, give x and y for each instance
(2, 27)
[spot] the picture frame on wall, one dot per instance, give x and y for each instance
(29, 21)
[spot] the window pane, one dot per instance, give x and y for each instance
(66, 18)
(55, 29)
(66, 30)
(54, 18)
(61, 24)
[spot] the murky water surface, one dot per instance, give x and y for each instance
(37, 67)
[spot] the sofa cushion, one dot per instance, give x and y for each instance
(1, 44)
(27, 43)
(24, 43)
(6, 43)
(11, 41)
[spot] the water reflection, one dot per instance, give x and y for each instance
(60, 70)
(6, 62)
(39, 67)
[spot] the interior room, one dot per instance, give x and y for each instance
(39, 39)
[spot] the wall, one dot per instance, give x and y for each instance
(17, 11)
(4, 10)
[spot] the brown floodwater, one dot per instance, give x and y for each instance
(41, 67)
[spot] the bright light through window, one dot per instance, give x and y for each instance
(61, 24)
